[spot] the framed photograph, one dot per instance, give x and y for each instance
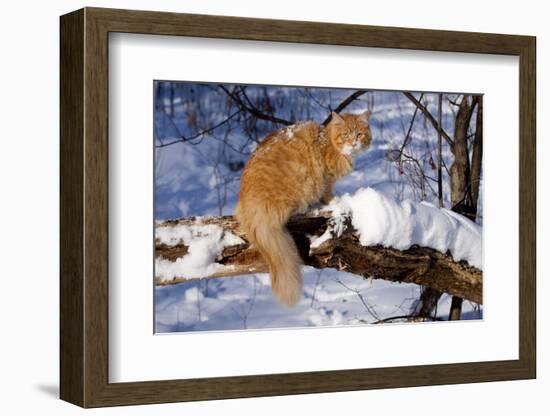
(255, 207)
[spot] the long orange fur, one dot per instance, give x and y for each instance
(291, 169)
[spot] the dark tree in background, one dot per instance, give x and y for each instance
(464, 174)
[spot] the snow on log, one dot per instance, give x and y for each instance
(368, 234)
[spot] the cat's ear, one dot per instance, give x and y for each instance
(364, 117)
(336, 118)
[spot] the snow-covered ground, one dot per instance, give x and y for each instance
(201, 177)
(244, 302)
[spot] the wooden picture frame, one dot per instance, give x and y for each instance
(84, 207)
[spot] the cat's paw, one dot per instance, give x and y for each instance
(327, 200)
(302, 209)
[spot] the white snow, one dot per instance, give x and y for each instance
(317, 241)
(324, 317)
(336, 226)
(330, 298)
(205, 242)
(382, 220)
(193, 295)
(357, 111)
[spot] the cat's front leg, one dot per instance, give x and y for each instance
(328, 195)
(301, 209)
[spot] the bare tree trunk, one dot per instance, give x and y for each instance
(440, 152)
(462, 177)
(460, 169)
(477, 154)
(426, 304)
(456, 309)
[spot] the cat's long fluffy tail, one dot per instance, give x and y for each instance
(279, 251)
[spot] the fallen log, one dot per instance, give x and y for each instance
(343, 252)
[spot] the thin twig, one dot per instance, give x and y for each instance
(252, 109)
(197, 135)
(344, 104)
(430, 118)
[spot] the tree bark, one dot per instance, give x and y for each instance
(460, 169)
(477, 154)
(419, 265)
(426, 303)
(465, 177)
(439, 150)
(456, 309)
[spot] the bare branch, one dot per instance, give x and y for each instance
(408, 135)
(344, 104)
(250, 108)
(197, 135)
(409, 318)
(430, 118)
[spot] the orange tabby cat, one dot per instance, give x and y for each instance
(292, 168)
